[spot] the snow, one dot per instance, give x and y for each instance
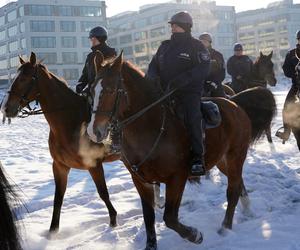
(271, 174)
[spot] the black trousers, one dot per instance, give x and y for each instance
(191, 106)
(239, 85)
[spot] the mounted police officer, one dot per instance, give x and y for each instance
(213, 84)
(98, 37)
(239, 66)
(291, 69)
(183, 62)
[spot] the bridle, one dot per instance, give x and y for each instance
(117, 125)
(24, 100)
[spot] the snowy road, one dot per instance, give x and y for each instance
(271, 174)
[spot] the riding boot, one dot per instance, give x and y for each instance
(115, 136)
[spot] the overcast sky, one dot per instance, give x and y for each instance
(117, 6)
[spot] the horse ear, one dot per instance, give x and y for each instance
(261, 54)
(98, 61)
(33, 59)
(271, 54)
(21, 60)
(117, 64)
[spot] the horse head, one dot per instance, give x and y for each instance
(107, 91)
(265, 68)
(23, 88)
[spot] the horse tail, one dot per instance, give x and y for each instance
(260, 105)
(9, 237)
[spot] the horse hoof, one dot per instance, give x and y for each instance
(196, 237)
(223, 231)
(151, 246)
(113, 222)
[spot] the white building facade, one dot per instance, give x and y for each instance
(140, 33)
(271, 28)
(56, 30)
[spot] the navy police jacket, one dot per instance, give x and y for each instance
(88, 72)
(290, 64)
(183, 59)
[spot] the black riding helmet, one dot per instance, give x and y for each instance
(99, 32)
(183, 19)
(298, 34)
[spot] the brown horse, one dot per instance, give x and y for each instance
(155, 145)
(66, 113)
(262, 75)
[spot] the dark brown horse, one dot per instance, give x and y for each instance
(9, 236)
(262, 75)
(67, 113)
(155, 146)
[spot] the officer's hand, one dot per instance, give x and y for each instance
(80, 88)
(239, 77)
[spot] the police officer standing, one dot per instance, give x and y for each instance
(239, 66)
(291, 69)
(184, 62)
(213, 84)
(98, 37)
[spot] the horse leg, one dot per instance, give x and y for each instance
(97, 174)
(296, 133)
(61, 178)
(146, 193)
(174, 191)
(269, 135)
(234, 189)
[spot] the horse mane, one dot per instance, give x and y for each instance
(144, 85)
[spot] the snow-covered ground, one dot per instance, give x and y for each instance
(271, 174)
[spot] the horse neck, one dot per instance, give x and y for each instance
(255, 72)
(58, 102)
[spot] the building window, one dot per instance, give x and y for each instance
(14, 62)
(113, 42)
(2, 35)
(43, 42)
(68, 42)
(226, 41)
(13, 46)
(22, 27)
(69, 57)
(157, 19)
(71, 74)
(23, 43)
(87, 26)
(140, 48)
(85, 42)
(12, 16)
(155, 45)
(2, 20)
(125, 39)
(48, 57)
(3, 49)
(90, 11)
(21, 11)
(65, 11)
(3, 64)
(225, 28)
(140, 23)
(138, 36)
(42, 26)
(142, 61)
(158, 32)
(128, 51)
(40, 10)
(67, 26)
(12, 31)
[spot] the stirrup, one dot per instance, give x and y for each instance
(282, 135)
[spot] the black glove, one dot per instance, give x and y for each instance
(80, 87)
